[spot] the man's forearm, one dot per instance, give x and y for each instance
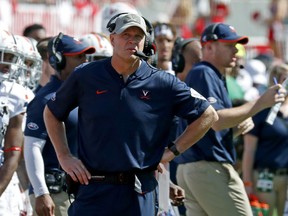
(57, 134)
(196, 130)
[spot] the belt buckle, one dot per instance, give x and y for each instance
(98, 178)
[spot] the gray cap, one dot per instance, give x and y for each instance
(128, 20)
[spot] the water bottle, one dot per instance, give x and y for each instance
(264, 209)
(256, 208)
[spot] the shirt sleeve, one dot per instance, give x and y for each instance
(189, 103)
(35, 164)
(205, 81)
(35, 126)
(65, 99)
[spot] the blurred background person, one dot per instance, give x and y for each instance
(100, 42)
(265, 161)
(32, 62)
(185, 53)
(259, 74)
(47, 70)
(165, 35)
(181, 18)
(35, 31)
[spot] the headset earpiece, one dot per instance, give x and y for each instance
(149, 44)
(178, 60)
(57, 59)
(111, 25)
(212, 36)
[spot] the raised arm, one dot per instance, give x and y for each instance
(229, 118)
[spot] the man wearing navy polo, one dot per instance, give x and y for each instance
(126, 108)
(205, 171)
(44, 171)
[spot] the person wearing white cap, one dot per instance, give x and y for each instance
(265, 161)
(165, 36)
(126, 107)
(258, 72)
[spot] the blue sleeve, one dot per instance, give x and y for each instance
(189, 103)
(35, 126)
(66, 98)
(259, 121)
(204, 80)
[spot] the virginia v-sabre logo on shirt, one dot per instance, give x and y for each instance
(145, 95)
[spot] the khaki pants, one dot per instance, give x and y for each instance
(61, 202)
(213, 189)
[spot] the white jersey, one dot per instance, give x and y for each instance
(13, 101)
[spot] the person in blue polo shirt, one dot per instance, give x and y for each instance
(265, 161)
(44, 172)
(205, 171)
(126, 108)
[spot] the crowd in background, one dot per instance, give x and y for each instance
(247, 81)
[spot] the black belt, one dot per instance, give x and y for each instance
(118, 177)
(280, 171)
(113, 178)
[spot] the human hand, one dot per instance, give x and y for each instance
(161, 168)
(44, 205)
(167, 156)
(274, 94)
(177, 194)
(75, 168)
(244, 127)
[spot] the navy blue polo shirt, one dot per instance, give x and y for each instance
(272, 145)
(214, 146)
(124, 125)
(35, 126)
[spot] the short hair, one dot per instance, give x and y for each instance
(42, 47)
(30, 28)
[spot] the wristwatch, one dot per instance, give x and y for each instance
(172, 148)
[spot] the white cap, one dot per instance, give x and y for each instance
(257, 70)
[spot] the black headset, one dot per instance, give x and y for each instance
(149, 44)
(56, 58)
(211, 36)
(178, 61)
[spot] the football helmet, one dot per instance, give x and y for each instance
(101, 43)
(31, 64)
(10, 56)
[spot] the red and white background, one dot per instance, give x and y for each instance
(79, 17)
